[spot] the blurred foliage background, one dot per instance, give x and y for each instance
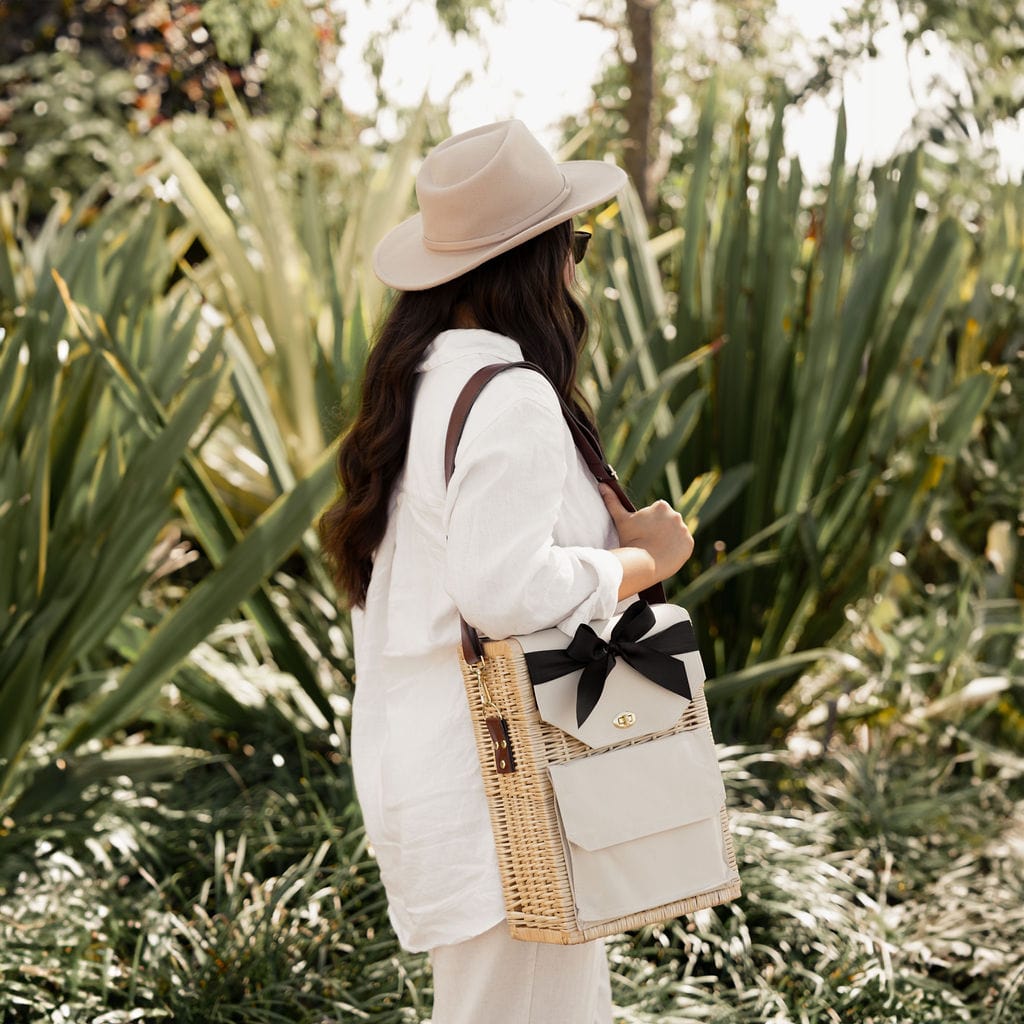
(824, 376)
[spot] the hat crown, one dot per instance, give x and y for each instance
(486, 185)
(481, 194)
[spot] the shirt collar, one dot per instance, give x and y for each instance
(455, 344)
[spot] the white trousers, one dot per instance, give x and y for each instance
(496, 979)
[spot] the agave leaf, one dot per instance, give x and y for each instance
(695, 496)
(726, 490)
(691, 311)
(61, 785)
(378, 209)
(957, 413)
(661, 454)
(19, 703)
(248, 564)
(741, 682)
(640, 426)
(259, 414)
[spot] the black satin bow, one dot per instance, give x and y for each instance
(651, 657)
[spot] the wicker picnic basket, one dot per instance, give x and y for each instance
(564, 832)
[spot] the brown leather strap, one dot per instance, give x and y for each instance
(501, 744)
(460, 412)
(586, 443)
(582, 434)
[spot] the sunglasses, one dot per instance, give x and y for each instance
(580, 241)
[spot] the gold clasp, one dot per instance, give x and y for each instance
(626, 720)
(478, 672)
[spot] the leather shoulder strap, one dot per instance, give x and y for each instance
(460, 411)
(585, 443)
(582, 434)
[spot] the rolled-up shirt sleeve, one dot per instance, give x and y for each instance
(503, 568)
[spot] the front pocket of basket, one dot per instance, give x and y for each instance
(643, 825)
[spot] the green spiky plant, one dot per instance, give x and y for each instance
(106, 398)
(274, 316)
(790, 387)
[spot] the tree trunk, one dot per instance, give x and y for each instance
(640, 72)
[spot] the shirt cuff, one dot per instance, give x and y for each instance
(604, 597)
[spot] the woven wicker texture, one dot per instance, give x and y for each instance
(524, 817)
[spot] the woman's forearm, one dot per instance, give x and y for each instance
(638, 570)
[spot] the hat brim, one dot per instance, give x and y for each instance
(402, 261)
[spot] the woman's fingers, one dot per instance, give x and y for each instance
(657, 529)
(619, 513)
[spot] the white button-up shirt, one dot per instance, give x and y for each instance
(518, 543)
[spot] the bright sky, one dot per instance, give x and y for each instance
(539, 63)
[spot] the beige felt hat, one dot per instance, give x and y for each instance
(482, 193)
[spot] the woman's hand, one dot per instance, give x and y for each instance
(654, 542)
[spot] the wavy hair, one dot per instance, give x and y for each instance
(522, 294)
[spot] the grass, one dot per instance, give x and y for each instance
(242, 890)
(881, 885)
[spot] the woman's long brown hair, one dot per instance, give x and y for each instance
(522, 294)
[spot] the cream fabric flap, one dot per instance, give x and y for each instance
(642, 824)
(631, 705)
(636, 791)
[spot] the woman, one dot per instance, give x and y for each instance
(521, 540)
